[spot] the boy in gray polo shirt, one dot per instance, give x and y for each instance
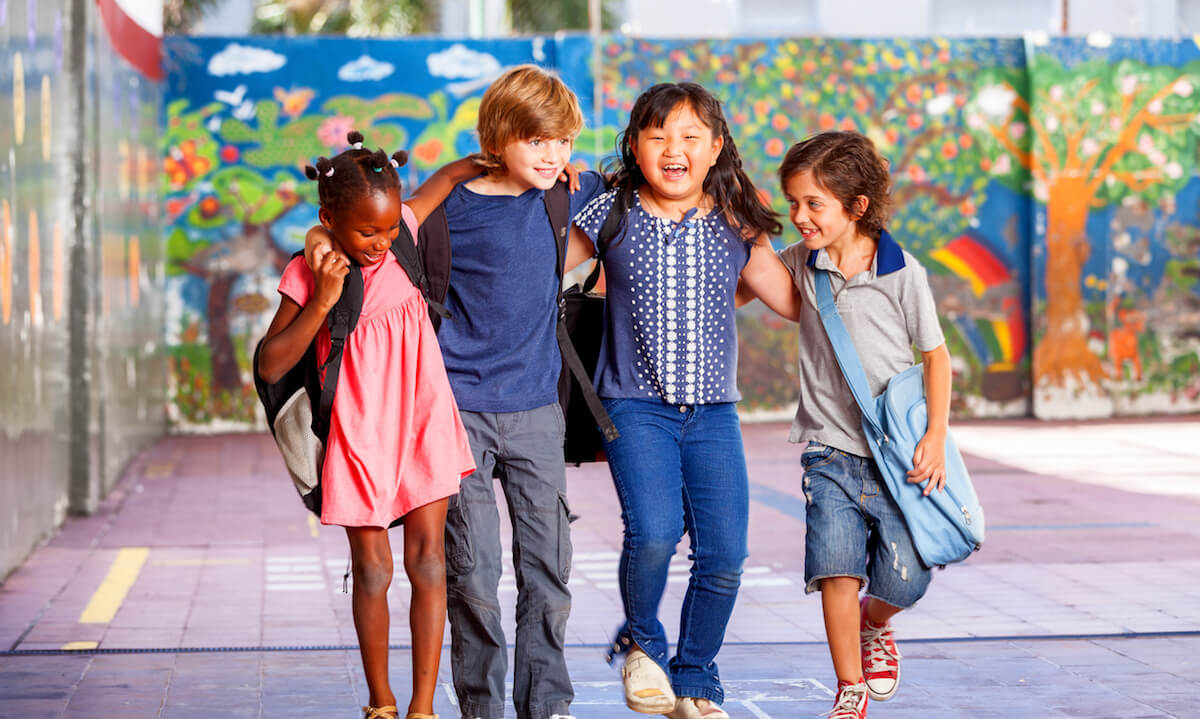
(838, 188)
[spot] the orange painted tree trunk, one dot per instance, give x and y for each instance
(1063, 350)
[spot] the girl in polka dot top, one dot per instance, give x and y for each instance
(691, 227)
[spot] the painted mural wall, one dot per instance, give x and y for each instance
(55, 283)
(966, 125)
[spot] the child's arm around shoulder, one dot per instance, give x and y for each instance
(767, 278)
(423, 200)
(434, 191)
(294, 327)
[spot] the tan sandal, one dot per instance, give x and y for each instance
(414, 715)
(388, 712)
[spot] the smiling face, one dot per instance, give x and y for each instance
(365, 228)
(535, 162)
(676, 157)
(818, 214)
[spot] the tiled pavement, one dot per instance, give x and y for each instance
(224, 599)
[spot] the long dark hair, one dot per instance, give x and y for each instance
(727, 184)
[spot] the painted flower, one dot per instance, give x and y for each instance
(1128, 84)
(1017, 130)
(1056, 93)
(1089, 146)
(1097, 107)
(333, 130)
(1173, 170)
(1183, 88)
(1002, 165)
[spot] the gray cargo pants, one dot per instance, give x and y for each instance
(524, 450)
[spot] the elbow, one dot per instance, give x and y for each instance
(268, 369)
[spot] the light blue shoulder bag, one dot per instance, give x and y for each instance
(946, 526)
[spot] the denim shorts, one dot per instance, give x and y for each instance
(855, 529)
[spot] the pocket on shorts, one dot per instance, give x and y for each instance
(460, 558)
(565, 551)
(816, 454)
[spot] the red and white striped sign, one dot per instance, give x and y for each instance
(135, 27)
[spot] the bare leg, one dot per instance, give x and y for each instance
(880, 612)
(425, 564)
(839, 602)
(371, 560)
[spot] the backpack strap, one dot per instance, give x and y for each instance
(558, 208)
(433, 247)
(342, 320)
(404, 247)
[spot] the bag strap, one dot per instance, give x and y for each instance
(342, 320)
(404, 247)
(843, 349)
(433, 246)
(558, 209)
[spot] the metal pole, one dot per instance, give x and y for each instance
(79, 369)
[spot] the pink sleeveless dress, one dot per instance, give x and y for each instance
(395, 439)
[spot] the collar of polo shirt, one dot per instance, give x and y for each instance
(888, 255)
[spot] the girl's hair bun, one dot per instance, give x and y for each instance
(354, 137)
(400, 157)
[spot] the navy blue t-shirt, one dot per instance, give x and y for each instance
(499, 346)
(669, 326)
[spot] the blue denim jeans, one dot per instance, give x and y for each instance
(525, 451)
(854, 528)
(680, 468)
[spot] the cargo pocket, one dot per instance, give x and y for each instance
(460, 559)
(564, 540)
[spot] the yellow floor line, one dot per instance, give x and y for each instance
(78, 646)
(107, 600)
(313, 526)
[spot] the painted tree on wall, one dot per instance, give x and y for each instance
(223, 211)
(1098, 132)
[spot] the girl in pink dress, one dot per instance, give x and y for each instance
(396, 447)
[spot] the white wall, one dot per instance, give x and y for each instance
(232, 17)
(865, 18)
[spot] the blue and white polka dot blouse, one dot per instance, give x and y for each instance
(670, 330)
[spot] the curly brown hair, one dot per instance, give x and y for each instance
(847, 165)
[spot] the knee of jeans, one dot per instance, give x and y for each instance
(721, 569)
(651, 548)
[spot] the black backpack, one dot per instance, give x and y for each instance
(580, 325)
(297, 407)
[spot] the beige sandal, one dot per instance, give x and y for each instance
(414, 715)
(388, 712)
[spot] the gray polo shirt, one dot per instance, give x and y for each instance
(887, 310)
